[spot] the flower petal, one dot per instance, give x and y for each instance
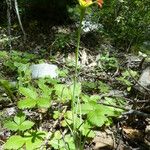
(100, 3)
(85, 3)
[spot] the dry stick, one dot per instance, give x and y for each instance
(113, 137)
(129, 46)
(115, 106)
(130, 100)
(19, 19)
(63, 138)
(9, 7)
(50, 132)
(2, 107)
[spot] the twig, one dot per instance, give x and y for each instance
(115, 106)
(19, 19)
(9, 7)
(128, 99)
(114, 140)
(129, 46)
(2, 141)
(63, 138)
(138, 113)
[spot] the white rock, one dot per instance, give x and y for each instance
(43, 70)
(144, 80)
(10, 111)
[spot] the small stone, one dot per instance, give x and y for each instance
(43, 70)
(144, 80)
(10, 111)
(103, 140)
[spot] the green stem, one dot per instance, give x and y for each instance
(74, 114)
(77, 54)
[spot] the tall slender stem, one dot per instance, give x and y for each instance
(78, 41)
(74, 114)
(77, 56)
(9, 9)
(77, 51)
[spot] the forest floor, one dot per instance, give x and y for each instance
(104, 71)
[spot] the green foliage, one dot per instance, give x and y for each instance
(14, 142)
(125, 79)
(74, 12)
(19, 123)
(95, 87)
(63, 73)
(8, 88)
(31, 141)
(98, 114)
(34, 139)
(126, 21)
(3, 55)
(83, 113)
(61, 41)
(24, 72)
(107, 62)
(41, 93)
(33, 99)
(82, 126)
(15, 57)
(58, 143)
(104, 88)
(64, 92)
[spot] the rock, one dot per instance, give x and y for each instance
(133, 61)
(144, 79)
(103, 140)
(43, 70)
(10, 111)
(118, 93)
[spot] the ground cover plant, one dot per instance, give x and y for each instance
(90, 95)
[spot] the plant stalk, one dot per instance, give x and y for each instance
(74, 104)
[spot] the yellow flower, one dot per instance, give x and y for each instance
(85, 3)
